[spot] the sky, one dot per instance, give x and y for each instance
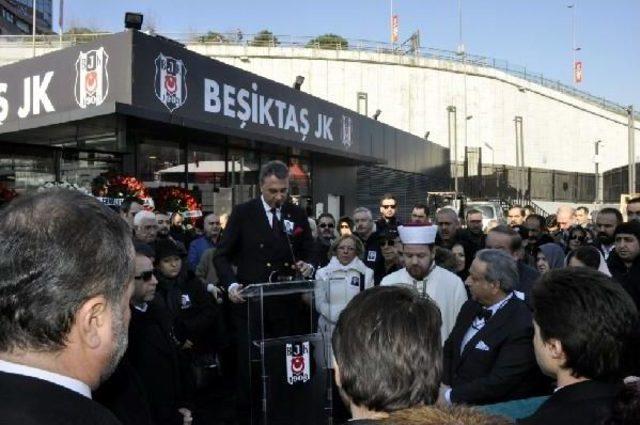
(536, 34)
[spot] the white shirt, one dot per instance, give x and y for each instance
(607, 250)
(478, 323)
(267, 210)
(442, 286)
(55, 378)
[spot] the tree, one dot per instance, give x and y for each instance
(329, 41)
(212, 37)
(82, 34)
(264, 38)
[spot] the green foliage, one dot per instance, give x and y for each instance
(264, 38)
(329, 41)
(212, 37)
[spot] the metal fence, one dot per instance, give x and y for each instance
(278, 40)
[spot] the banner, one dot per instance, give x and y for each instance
(394, 28)
(577, 78)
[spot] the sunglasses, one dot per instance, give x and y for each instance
(386, 207)
(329, 225)
(145, 275)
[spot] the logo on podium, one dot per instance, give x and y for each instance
(298, 363)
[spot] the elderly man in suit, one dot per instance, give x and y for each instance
(489, 355)
(66, 273)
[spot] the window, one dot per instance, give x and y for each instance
(23, 26)
(363, 107)
(161, 163)
(81, 167)
(8, 16)
(25, 172)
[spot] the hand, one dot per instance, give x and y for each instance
(187, 345)
(235, 294)
(442, 401)
(216, 292)
(305, 269)
(186, 416)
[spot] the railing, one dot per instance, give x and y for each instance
(242, 39)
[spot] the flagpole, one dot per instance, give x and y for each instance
(33, 31)
(60, 20)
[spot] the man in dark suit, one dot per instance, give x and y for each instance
(508, 240)
(66, 272)
(584, 326)
(488, 357)
(267, 239)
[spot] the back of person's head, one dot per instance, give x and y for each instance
(626, 406)
(387, 349)
(592, 317)
(587, 255)
(58, 249)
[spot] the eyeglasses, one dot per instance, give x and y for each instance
(386, 207)
(386, 243)
(329, 225)
(146, 276)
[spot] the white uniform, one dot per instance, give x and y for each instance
(443, 287)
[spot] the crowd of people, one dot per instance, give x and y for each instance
(534, 320)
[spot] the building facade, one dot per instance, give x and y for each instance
(16, 17)
(145, 106)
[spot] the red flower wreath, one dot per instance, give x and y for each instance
(6, 194)
(176, 199)
(121, 186)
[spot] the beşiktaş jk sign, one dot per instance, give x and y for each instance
(248, 105)
(238, 99)
(90, 89)
(83, 80)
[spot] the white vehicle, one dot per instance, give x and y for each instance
(491, 211)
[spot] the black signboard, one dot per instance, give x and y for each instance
(74, 83)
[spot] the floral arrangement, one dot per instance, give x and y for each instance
(6, 194)
(62, 185)
(178, 199)
(122, 186)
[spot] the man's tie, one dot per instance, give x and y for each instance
(275, 223)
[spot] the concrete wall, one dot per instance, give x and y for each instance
(413, 94)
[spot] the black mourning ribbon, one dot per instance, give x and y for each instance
(484, 313)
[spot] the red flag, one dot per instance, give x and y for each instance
(577, 67)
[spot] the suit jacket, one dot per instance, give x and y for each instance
(527, 277)
(250, 243)
(584, 403)
(498, 363)
(30, 401)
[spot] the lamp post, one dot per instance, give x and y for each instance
(632, 151)
(453, 140)
(596, 160)
(33, 31)
(493, 160)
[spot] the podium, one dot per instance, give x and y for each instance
(290, 379)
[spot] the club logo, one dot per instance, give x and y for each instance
(347, 129)
(170, 82)
(92, 78)
(298, 363)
